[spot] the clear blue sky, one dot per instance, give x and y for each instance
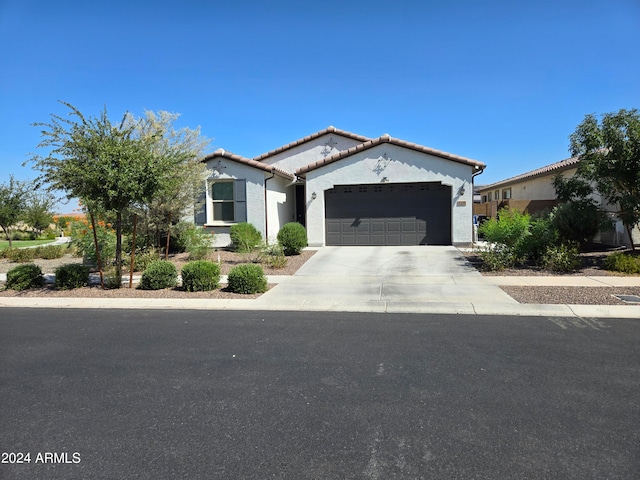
(503, 82)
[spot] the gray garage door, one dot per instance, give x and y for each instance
(388, 214)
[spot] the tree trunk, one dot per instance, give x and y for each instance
(119, 245)
(97, 247)
(133, 250)
(166, 253)
(629, 232)
(7, 232)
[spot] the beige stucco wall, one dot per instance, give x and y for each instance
(404, 165)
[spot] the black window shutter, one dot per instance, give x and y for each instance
(201, 207)
(240, 199)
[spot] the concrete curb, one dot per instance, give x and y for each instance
(516, 310)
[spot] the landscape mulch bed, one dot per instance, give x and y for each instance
(227, 260)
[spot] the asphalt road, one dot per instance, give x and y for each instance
(258, 395)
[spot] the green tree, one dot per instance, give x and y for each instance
(185, 183)
(110, 167)
(12, 204)
(578, 218)
(609, 152)
(38, 211)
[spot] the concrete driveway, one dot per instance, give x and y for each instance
(405, 277)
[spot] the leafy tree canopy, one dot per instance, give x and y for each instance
(609, 152)
(110, 167)
(12, 204)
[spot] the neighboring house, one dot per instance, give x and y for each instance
(532, 192)
(345, 189)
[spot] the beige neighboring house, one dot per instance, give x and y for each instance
(532, 192)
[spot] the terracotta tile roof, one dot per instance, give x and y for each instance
(308, 138)
(394, 141)
(220, 153)
(553, 168)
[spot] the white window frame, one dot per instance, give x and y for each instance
(212, 201)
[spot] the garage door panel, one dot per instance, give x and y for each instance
(388, 214)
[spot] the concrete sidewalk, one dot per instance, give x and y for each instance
(378, 279)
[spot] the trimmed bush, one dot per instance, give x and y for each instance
(622, 262)
(49, 252)
(245, 237)
(21, 255)
(200, 276)
(563, 258)
(70, 276)
(293, 238)
(247, 278)
(160, 274)
(24, 277)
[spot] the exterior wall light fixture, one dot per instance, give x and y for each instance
(313, 196)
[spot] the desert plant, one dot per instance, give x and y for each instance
(21, 255)
(200, 276)
(507, 235)
(160, 274)
(562, 258)
(293, 238)
(498, 257)
(71, 275)
(245, 237)
(112, 281)
(82, 240)
(50, 252)
(247, 278)
(24, 277)
(273, 255)
(193, 239)
(622, 262)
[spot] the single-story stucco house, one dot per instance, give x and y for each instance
(346, 189)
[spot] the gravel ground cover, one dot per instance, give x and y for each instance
(591, 265)
(226, 259)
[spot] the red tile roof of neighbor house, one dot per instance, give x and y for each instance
(553, 168)
(308, 138)
(220, 153)
(394, 141)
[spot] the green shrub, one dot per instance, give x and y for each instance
(579, 220)
(562, 258)
(21, 255)
(142, 259)
(72, 275)
(247, 278)
(498, 257)
(49, 234)
(245, 237)
(293, 238)
(193, 239)
(160, 274)
(111, 279)
(534, 246)
(49, 252)
(509, 228)
(200, 276)
(25, 276)
(82, 240)
(622, 262)
(508, 235)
